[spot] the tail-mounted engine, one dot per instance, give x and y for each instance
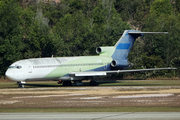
(121, 64)
(105, 51)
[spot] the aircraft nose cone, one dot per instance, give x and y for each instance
(14, 75)
(9, 74)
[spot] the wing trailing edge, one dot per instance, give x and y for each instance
(105, 73)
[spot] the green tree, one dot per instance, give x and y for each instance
(161, 18)
(11, 35)
(36, 34)
(72, 29)
(177, 5)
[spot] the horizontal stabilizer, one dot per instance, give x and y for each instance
(105, 73)
(148, 33)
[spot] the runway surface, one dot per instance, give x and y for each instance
(91, 116)
(90, 97)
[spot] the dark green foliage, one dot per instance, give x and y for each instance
(82, 33)
(177, 5)
(164, 46)
(155, 15)
(11, 46)
(160, 7)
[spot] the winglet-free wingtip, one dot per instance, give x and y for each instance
(162, 32)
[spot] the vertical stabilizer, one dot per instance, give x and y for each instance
(124, 44)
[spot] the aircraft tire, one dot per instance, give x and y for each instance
(74, 84)
(93, 83)
(67, 83)
(21, 85)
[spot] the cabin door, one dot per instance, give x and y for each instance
(29, 68)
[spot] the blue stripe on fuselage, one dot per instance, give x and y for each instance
(123, 46)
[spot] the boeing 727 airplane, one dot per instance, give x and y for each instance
(111, 60)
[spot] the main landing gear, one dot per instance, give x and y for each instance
(69, 83)
(21, 84)
(93, 82)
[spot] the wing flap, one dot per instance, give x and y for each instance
(92, 73)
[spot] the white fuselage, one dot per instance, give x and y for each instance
(31, 69)
(56, 68)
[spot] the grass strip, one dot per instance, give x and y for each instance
(117, 83)
(103, 109)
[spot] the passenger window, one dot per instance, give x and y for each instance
(12, 67)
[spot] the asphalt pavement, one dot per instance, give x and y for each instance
(92, 116)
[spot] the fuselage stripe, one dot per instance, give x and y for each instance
(123, 46)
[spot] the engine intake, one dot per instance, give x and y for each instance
(121, 64)
(98, 50)
(114, 63)
(105, 51)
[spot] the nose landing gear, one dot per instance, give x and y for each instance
(21, 84)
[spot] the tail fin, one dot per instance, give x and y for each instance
(125, 43)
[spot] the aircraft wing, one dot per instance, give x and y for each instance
(105, 73)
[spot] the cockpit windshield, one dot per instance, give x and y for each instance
(18, 67)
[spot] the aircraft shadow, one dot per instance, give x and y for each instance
(42, 85)
(105, 84)
(86, 84)
(53, 85)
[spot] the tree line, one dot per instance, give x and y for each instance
(76, 27)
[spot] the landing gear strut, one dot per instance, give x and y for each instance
(93, 82)
(67, 83)
(75, 83)
(21, 84)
